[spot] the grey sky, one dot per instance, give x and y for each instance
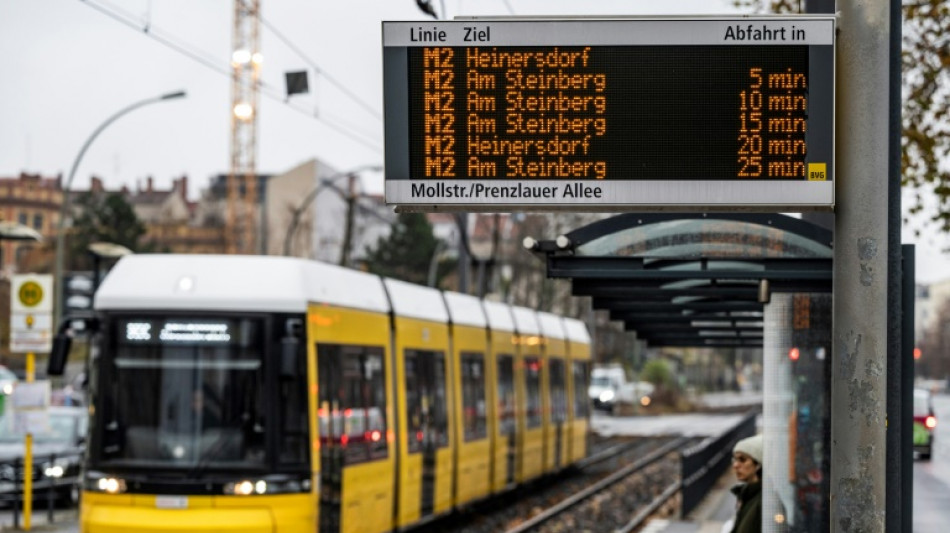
(68, 66)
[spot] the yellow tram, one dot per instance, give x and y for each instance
(261, 394)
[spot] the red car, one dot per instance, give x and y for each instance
(925, 421)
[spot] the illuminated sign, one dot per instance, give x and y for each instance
(170, 332)
(610, 113)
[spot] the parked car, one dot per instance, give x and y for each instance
(925, 421)
(57, 456)
(7, 381)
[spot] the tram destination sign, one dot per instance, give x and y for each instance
(600, 114)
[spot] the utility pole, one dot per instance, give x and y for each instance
(348, 229)
(859, 362)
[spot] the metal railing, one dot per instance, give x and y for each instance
(46, 487)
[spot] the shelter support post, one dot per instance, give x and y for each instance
(859, 363)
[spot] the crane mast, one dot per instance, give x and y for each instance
(242, 209)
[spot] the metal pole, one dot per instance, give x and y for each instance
(899, 477)
(859, 371)
(28, 454)
(64, 205)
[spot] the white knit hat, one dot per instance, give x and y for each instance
(751, 446)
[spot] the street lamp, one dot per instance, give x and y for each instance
(12, 231)
(324, 183)
(61, 224)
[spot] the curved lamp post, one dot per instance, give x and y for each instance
(64, 206)
(324, 183)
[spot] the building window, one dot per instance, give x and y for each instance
(22, 219)
(38, 222)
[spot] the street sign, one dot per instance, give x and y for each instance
(676, 113)
(31, 313)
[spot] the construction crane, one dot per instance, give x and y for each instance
(242, 209)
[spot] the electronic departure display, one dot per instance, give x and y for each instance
(609, 113)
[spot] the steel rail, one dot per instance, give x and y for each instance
(579, 497)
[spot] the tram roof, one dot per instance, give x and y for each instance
(551, 325)
(576, 330)
(465, 309)
(526, 321)
(691, 279)
(499, 316)
(235, 283)
(415, 301)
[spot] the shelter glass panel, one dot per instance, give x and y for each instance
(709, 238)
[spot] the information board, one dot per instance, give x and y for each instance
(610, 113)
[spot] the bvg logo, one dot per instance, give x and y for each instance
(816, 172)
(31, 293)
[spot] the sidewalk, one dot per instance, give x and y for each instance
(716, 508)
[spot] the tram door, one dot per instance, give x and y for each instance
(353, 444)
(427, 404)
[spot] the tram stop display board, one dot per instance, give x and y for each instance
(608, 114)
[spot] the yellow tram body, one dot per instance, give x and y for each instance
(378, 404)
(470, 379)
(578, 347)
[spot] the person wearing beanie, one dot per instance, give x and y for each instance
(747, 465)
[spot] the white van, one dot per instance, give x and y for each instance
(609, 387)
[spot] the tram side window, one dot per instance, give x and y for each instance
(426, 400)
(532, 387)
(474, 418)
(558, 392)
(506, 395)
(581, 400)
(352, 411)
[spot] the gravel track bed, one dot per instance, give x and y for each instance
(614, 505)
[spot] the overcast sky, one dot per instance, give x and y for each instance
(70, 64)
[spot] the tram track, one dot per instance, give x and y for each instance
(637, 489)
(576, 499)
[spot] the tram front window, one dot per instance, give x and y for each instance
(183, 393)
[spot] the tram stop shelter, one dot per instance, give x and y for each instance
(727, 281)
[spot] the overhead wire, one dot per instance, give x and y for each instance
(128, 19)
(370, 109)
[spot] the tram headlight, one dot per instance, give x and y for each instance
(99, 482)
(270, 485)
(56, 468)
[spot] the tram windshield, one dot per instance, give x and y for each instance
(182, 393)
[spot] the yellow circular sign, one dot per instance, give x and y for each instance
(30, 293)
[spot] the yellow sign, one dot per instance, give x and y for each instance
(817, 172)
(30, 294)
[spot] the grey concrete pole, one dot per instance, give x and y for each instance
(859, 369)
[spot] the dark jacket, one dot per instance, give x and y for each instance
(748, 507)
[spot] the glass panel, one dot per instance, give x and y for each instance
(532, 384)
(474, 419)
(185, 392)
(353, 401)
(703, 238)
(506, 395)
(581, 400)
(558, 392)
(426, 399)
